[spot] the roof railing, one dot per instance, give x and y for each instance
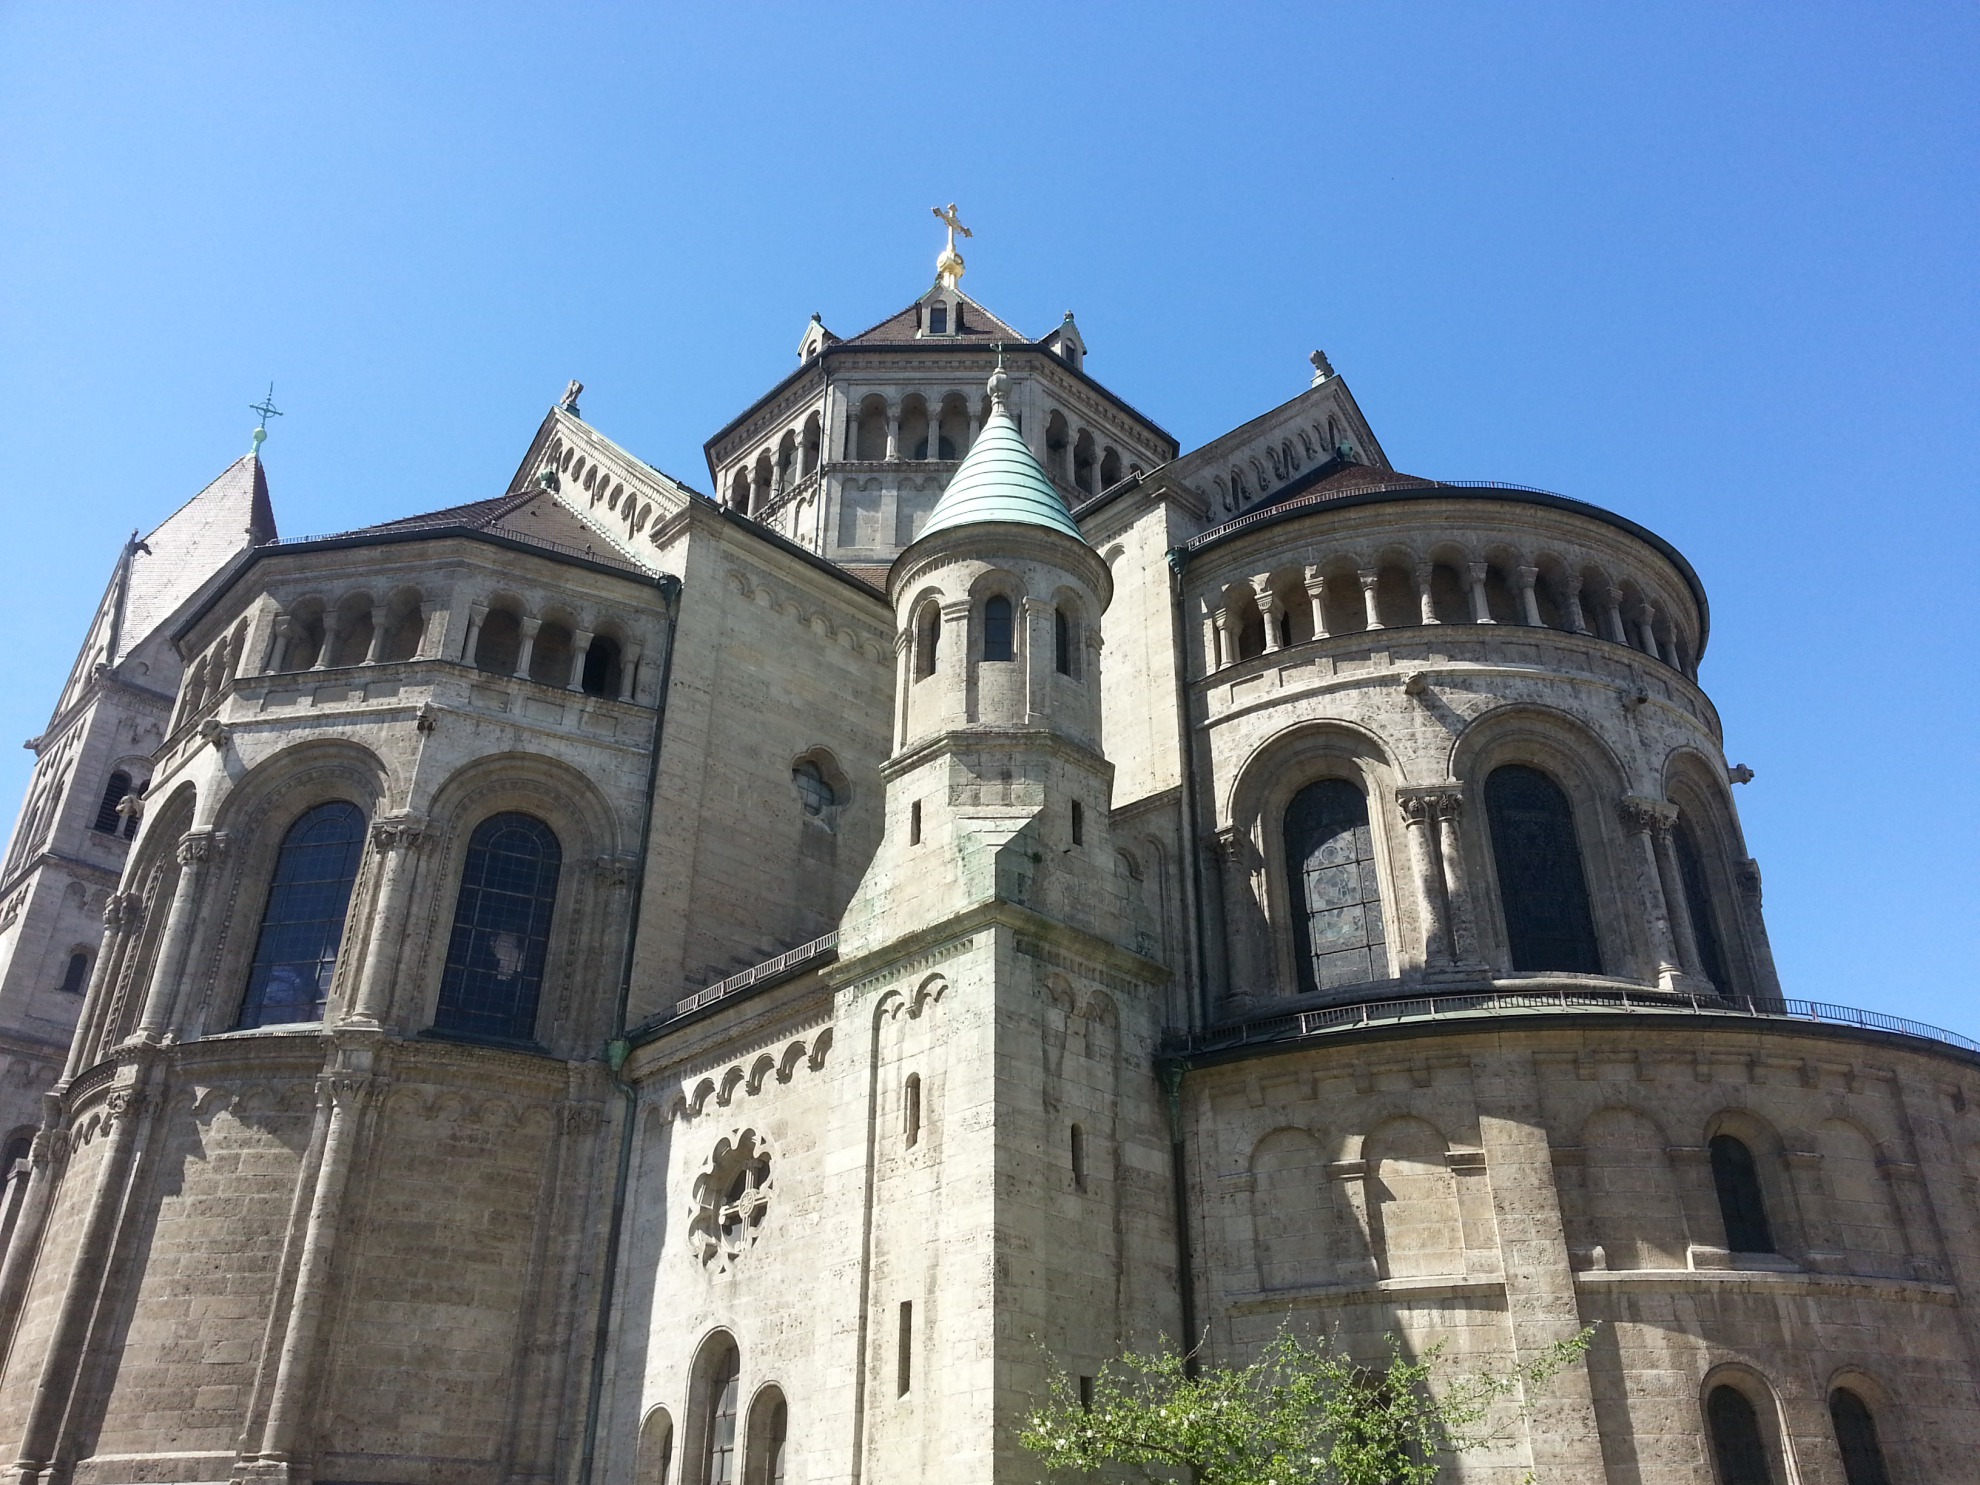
(1330, 1020)
(784, 965)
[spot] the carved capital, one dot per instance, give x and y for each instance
(1369, 578)
(123, 912)
(1747, 874)
(344, 1088)
(124, 1104)
(1525, 577)
(579, 1119)
(1230, 846)
(1649, 816)
(201, 847)
(1422, 804)
(398, 832)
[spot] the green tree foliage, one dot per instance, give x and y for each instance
(1299, 1414)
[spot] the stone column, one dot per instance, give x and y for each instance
(1426, 603)
(1269, 609)
(903, 684)
(380, 617)
(975, 426)
(198, 851)
(955, 671)
(1448, 805)
(1670, 876)
(1642, 819)
(29, 1201)
(580, 647)
(1571, 601)
(340, 1097)
(476, 613)
(395, 839)
(432, 630)
(322, 661)
(1316, 595)
(1237, 864)
(1481, 608)
(1369, 578)
(1613, 618)
(1420, 819)
(123, 923)
(281, 632)
(1646, 628)
(523, 655)
(1529, 601)
(893, 432)
(629, 671)
(1226, 651)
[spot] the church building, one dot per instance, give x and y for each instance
(616, 985)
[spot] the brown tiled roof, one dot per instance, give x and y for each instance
(979, 326)
(874, 576)
(531, 516)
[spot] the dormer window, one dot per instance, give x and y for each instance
(938, 319)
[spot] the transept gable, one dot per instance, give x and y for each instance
(1317, 435)
(604, 490)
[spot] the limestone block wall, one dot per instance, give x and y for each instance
(1496, 1189)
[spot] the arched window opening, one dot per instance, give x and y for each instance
(1542, 890)
(1062, 641)
(107, 819)
(1250, 631)
(760, 484)
(998, 629)
(787, 460)
(1083, 461)
(815, 791)
(1110, 468)
(1737, 1446)
(1742, 1203)
(813, 437)
(1396, 603)
(718, 1462)
(1335, 894)
(501, 935)
(954, 436)
(1500, 600)
(302, 923)
(75, 977)
(550, 656)
(1448, 600)
(404, 629)
(656, 1448)
(911, 1111)
(928, 642)
(1058, 443)
(499, 644)
(1856, 1439)
(1698, 899)
(769, 1428)
(603, 673)
(1078, 1142)
(914, 429)
(305, 640)
(739, 492)
(353, 640)
(870, 433)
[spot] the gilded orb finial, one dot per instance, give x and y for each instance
(949, 265)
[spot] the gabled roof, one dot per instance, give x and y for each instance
(191, 545)
(979, 327)
(1001, 480)
(534, 516)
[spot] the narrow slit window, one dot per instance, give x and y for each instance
(1078, 823)
(75, 979)
(1062, 641)
(998, 629)
(914, 823)
(904, 1356)
(911, 1111)
(1078, 1158)
(1086, 1394)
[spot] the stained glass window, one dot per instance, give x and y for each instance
(997, 629)
(1737, 1447)
(1336, 898)
(1541, 886)
(1742, 1204)
(1698, 900)
(302, 925)
(1856, 1438)
(721, 1462)
(501, 932)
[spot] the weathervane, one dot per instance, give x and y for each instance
(949, 267)
(267, 408)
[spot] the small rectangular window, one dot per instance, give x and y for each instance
(938, 319)
(1086, 1393)
(914, 823)
(1078, 823)
(1079, 1158)
(904, 1369)
(911, 1111)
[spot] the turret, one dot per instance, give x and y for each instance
(997, 786)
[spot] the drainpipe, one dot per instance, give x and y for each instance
(1171, 1070)
(618, 1048)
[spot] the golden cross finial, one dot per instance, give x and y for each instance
(949, 266)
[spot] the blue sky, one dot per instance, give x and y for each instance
(1711, 266)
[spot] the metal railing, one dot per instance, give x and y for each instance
(786, 963)
(1302, 1025)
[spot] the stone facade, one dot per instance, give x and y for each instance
(617, 985)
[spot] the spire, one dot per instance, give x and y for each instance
(1001, 480)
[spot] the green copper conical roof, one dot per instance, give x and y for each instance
(1000, 479)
